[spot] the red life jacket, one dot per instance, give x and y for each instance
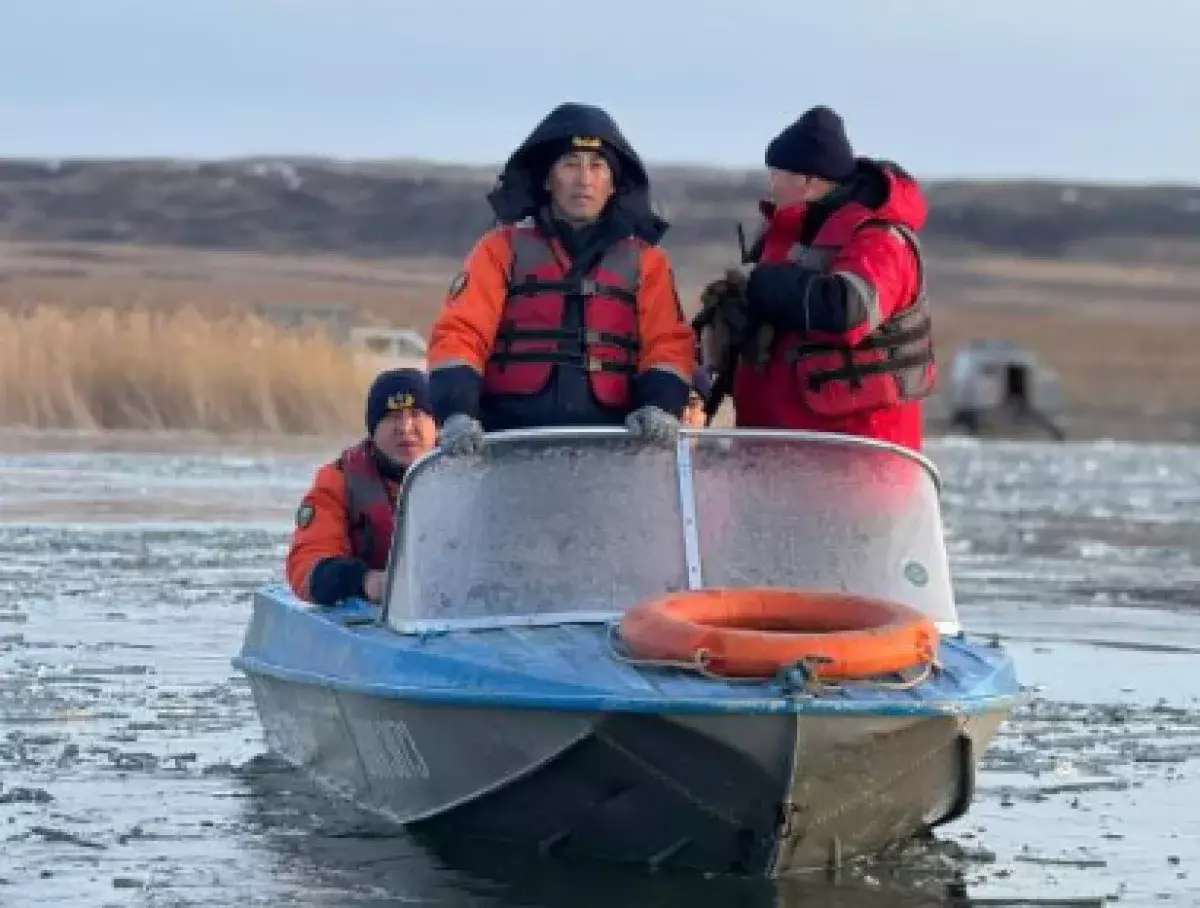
(533, 337)
(371, 508)
(891, 366)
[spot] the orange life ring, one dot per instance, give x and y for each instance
(755, 631)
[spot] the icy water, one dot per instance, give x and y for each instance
(131, 760)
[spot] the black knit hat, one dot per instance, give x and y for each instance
(396, 389)
(815, 145)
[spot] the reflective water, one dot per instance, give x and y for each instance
(131, 767)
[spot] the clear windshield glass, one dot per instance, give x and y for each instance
(773, 511)
(577, 522)
(543, 526)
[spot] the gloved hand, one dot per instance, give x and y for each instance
(461, 434)
(653, 424)
(729, 288)
(779, 293)
(727, 323)
(722, 312)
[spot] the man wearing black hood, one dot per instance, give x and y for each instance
(566, 313)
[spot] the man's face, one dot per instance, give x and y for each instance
(580, 184)
(404, 435)
(788, 189)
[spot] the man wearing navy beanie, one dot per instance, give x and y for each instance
(343, 534)
(815, 145)
(837, 273)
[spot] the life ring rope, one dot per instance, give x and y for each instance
(798, 677)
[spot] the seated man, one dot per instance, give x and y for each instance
(566, 314)
(344, 524)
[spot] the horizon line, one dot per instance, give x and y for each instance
(494, 167)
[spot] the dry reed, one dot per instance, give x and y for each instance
(66, 368)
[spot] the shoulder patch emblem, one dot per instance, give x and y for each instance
(458, 285)
(305, 515)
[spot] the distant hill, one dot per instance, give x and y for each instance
(405, 209)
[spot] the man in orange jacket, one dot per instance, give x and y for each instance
(566, 314)
(344, 523)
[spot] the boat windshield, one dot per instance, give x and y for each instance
(583, 524)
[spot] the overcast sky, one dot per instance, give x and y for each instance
(1063, 88)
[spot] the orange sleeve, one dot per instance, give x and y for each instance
(465, 329)
(666, 336)
(322, 528)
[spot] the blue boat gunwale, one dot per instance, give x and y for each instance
(355, 625)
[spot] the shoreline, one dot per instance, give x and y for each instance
(24, 440)
(16, 440)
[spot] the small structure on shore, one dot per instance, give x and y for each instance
(999, 384)
(376, 349)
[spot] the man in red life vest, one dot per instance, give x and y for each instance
(837, 278)
(565, 314)
(343, 532)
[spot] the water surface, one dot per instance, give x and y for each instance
(131, 761)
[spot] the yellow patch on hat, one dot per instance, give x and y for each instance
(586, 142)
(403, 400)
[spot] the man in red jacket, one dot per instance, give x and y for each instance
(838, 277)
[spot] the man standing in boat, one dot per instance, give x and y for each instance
(344, 523)
(838, 284)
(566, 314)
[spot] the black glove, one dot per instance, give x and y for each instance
(778, 293)
(729, 328)
(729, 288)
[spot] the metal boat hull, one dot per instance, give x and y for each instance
(765, 793)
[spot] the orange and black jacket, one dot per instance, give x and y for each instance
(334, 543)
(464, 338)
(464, 335)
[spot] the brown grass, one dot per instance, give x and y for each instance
(1131, 375)
(103, 369)
(398, 292)
(1122, 338)
(1105, 361)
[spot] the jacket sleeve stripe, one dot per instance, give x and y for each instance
(862, 301)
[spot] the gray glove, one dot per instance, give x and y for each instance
(653, 424)
(461, 434)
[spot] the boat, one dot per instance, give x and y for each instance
(498, 694)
